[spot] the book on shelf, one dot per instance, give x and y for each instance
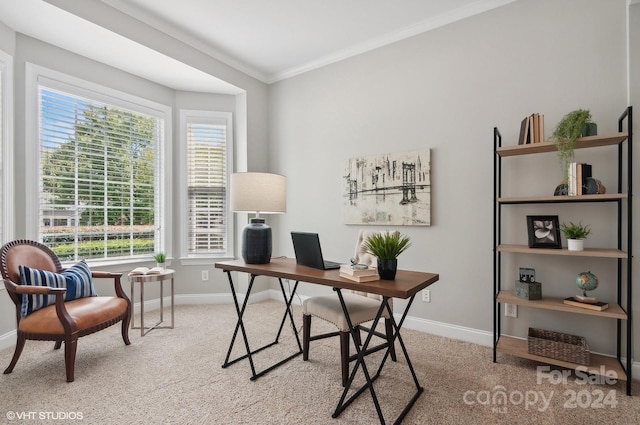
(571, 185)
(146, 270)
(356, 278)
(586, 172)
(347, 269)
(599, 306)
(577, 176)
(524, 131)
(531, 129)
(535, 129)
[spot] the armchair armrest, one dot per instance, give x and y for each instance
(67, 321)
(106, 275)
(116, 282)
(36, 290)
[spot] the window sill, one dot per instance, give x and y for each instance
(97, 264)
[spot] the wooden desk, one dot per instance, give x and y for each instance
(406, 285)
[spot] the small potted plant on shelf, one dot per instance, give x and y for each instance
(387, 246)
(567, 132)
(575, 234)
(161, 259)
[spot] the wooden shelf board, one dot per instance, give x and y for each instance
(518, 347)
(581, 143)
(552, 303)
(606, 197)
(588, 252)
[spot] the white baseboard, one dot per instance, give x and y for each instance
(185, 299)
(8, 340)
(448, 330)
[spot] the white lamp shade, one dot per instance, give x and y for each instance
(258, 193)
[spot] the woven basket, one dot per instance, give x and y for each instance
(559, 346)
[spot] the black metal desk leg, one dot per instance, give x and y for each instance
(342, 404)
(398, 336)
(240, 325)
(288, 311)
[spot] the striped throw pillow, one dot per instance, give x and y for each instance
(77, 280)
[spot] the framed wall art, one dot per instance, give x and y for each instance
(544, 231)
(390, 189)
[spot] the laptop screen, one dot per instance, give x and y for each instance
(308, 252)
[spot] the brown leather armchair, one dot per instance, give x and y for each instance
(62, 321)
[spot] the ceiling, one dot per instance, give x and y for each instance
(268, 40)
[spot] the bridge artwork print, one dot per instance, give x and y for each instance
(389, 189)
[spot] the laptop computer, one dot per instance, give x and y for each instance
(308, 251)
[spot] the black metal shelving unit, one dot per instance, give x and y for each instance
(622, 312)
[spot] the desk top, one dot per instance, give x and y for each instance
(406, 284)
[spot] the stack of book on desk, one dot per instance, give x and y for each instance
(359, 275)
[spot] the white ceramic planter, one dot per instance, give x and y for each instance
(575, 244)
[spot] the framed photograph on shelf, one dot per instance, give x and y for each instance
(544, 231)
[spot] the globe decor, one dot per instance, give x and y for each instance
(586, 281)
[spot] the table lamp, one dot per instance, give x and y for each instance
(257, 193)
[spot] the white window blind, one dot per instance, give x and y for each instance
(207, 186)
(99, 182)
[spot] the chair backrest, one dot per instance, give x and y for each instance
(361, 255)
(26, 253)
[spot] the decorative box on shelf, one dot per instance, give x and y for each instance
(529, 290)
(559, 346)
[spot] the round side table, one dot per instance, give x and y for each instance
(166, 274)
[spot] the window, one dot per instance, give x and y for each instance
(101, 174)
(207, 137)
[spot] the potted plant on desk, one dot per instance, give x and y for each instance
(575, 234)
(386, 247)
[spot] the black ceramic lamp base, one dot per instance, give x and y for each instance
(256, 242)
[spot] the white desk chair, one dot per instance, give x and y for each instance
(362, 308)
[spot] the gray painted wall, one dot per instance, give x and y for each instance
(446, 90)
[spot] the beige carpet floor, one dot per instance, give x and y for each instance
(175, 377)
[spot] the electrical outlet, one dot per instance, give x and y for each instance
(426, 295)
(511, 310)
(205, 274)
